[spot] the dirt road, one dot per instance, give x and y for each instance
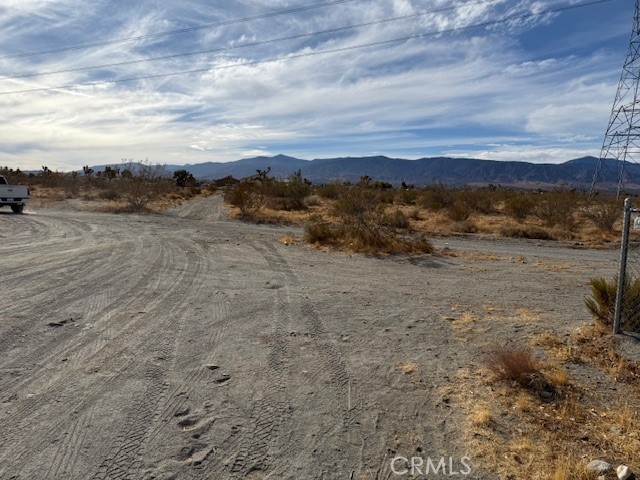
(189, 346)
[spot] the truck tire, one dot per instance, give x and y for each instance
(17, 208)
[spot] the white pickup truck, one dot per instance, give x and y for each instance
(16, 196)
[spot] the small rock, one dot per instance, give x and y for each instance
(599, 466)
(624, 473)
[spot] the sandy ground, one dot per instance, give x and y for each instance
(185, 345)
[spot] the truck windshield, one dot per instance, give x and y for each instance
(3, 181)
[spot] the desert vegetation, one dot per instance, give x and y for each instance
(129, 187)
(601, 302)
(373, 215)
(532, 409)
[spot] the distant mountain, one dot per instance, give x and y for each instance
(578, 172)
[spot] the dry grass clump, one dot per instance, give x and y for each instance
(481, 415)
(572, 469)
(514, 365)
(409, 368)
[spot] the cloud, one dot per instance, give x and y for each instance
(482, 85)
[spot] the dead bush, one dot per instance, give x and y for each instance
(514, 365)
(142, 184)
(464, 226)
(604, 216)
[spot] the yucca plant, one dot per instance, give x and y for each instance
(602, 302)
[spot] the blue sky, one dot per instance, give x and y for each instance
(533, 88)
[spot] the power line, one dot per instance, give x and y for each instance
(311, 54)
(179, 31)
(251, 44)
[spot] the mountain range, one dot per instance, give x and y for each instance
(451, 171)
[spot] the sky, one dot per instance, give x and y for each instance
(520, 80)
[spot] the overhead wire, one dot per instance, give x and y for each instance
(225, 23)
(311, 54)
(248, 44)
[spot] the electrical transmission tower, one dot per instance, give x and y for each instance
(622, 140)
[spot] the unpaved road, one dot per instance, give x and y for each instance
(188, 346)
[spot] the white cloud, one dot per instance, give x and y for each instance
(473, 86)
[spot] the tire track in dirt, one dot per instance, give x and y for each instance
(149, 373)
(330, 364)
(71, 391)
(273, 433)
(250, 449)
(57, 344)
(123, 458)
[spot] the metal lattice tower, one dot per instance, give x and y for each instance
(622, 140)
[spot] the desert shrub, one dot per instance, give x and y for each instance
(247, 195)
(407, 196)
(358, 206)
(71, 184)
(480, 200)
(363, 225)
(183, 179)
(459, 211)
(14, 177)
(514, 365)
(109, 194)
(331, 191)
(604, 216)
(312, 201)
(396, 220)
(287, 195)
(526, 231)
(318, 230)
(465, 226)
(414, 214)
(143, 184)
(557, 208)
(602, 302)
(519, 206)
(437, 197)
